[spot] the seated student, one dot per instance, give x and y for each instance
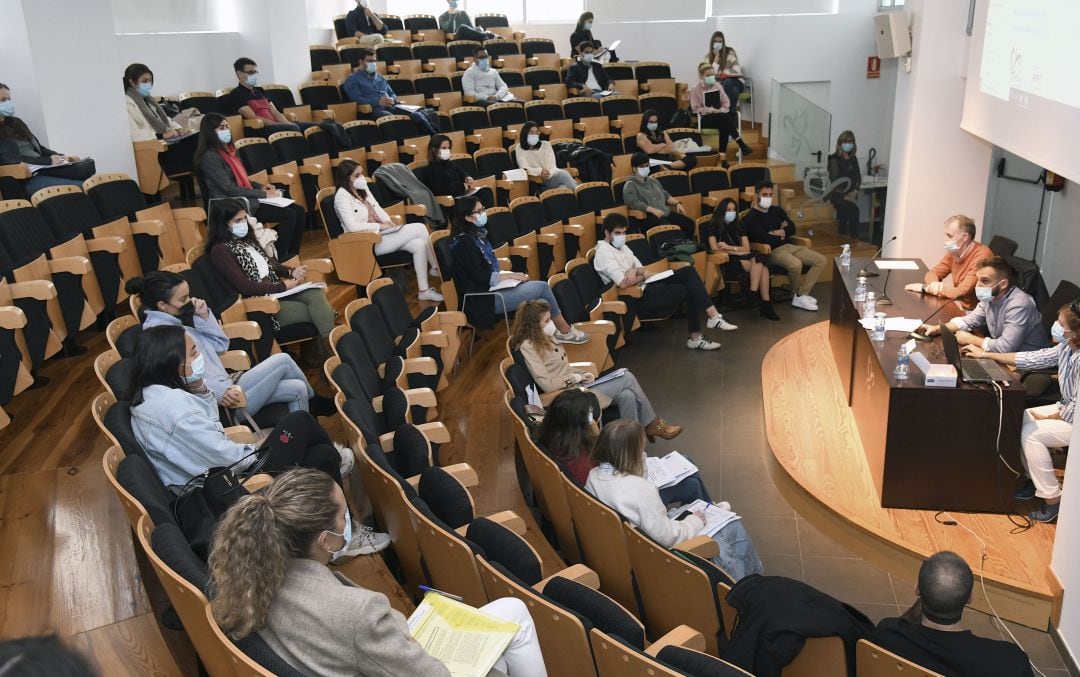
(453, 19)
(726, 62)
(587, 74)
(220, 168)
(646, 194)
(166, 300)
(482, 81)
(844, 165)
(618, 481)
(962, 253)
(147, 120)
(655, 142)
(174, 416)
(568, 434)
(616, 264)
(583, 33)
(1049, 425)
(238, 258)
(248, 100)
(268, 567)
(1005, 312)
(550, 368)
(477, 270)
(769, 224)
(538, 159)
(18, 144)
(442, 176)
(929, 633)
(362, 22)
(367, 86)
(723, 233)
(715, 117)
(359, 212)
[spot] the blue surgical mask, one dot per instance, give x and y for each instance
(252, 79)
(371, 67)
(587, 58)
(7, 109)
(145, 88)
(482, 64)
(1057, 332)
(710, 80)
(240, 229)
(587, 26)
(984, 293)
(347, 535)
(453, 4)
(847, 147)
(198, 370)
(643, 172)
(224, 135)
(481, 219)
(652, 126)
(729, 217)
(951, 246)
(617, 241)
(717, 46)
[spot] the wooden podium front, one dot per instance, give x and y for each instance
(927, 448)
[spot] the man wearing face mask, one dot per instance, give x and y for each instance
(453, 19)
(367, 86)
(587, 74)
(249, 100)
(646, 194)
(769, 224)
(482, 81)
(962, 253)
(363, 23)
(1006, 313)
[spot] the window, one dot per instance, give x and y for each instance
(633, 11)
(554, 11)
(886, 5)
(513, 9)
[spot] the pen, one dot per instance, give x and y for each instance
(440, 592)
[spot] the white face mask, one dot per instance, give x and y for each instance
(347, 535)
(617, 241)
(643, 172)
(1057, 332)
(729, 217)
(444, 153)
(198, 369)
(532, 139)
(952, 246)
(359, 183)
(549, 328)
(765, 202)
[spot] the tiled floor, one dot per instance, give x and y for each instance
(717, 397)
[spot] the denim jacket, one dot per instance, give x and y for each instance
(182, 435)
(211, 341)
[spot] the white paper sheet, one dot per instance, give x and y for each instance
(506, 284)
(667, 471)
(903, 324)
(299, 288)
(406, 107)
(896, 265)
(515, 175)
(716, 518)
(276, 201)
(663, 275)
(610, 376)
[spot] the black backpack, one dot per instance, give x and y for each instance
(681, 118)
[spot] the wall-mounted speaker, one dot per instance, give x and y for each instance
(892, 35)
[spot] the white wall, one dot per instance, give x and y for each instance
(18, 70)
(1066, 553)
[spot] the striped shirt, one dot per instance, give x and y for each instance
(1067, 359)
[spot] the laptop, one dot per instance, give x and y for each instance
(971, 370)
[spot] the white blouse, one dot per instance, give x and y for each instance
(354, 215)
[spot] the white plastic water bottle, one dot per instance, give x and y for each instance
(902, 362)
(879, 327)
(845, 257)
(869, 306)
(860, 290)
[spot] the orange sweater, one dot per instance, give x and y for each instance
(963, 274)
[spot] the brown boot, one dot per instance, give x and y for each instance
(662, 429)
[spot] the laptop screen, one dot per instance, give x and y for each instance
(951, 347)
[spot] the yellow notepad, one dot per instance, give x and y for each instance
(466, 640)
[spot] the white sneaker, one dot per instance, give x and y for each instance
(348, 461)
(803, 302)
(719, 321)
(365, 541)
(702, 343)
(430, 294)
(573, 336)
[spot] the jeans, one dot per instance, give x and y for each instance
(792, 257)
(687, 491)
(1036, 438)
(275, 379)
(847, 213)
(307, 306)
(738, 556)
(523, 657)
(299, 441)
(665, 296)
(509, 299)
(560, 177)
(290, 227)
(626, 393)
(413, 238)
(39, 181)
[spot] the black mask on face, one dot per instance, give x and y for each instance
(187, 314)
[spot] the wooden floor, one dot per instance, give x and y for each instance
(814, 438)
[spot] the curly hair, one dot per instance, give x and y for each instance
(255, 537)
(527, 326)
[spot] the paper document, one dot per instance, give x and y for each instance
(653, 162)
(472, 191)
(276, 201)
(663, 275)
(508, 283)
(34, 169)
(904, 324)
(466, 640)
(896, 265)
(716, 518)
(298, 288)
(604, 92)
(610, 376)
(667, 471)
(390, 230)
(509, 96)
(515, 175)
(406, 107)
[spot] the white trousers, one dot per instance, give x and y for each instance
(523, 657)
(1037, 436)
(413, 238)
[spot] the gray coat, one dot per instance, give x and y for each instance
(402, 182)
(220, 181)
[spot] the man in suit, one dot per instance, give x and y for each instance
(586, 73)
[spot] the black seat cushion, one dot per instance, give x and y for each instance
(506, 548)
(604, 613)
(446, 497)
(170, 545)
(411, 451)
(119, 378)
(128, 339)
(140, 480)
(696, 663)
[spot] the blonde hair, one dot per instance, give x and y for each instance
(527, 326)
(704, 66)
(255, 537)
(621, 444)
(846, 135)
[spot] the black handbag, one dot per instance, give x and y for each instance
(204, 499)
(76, 171)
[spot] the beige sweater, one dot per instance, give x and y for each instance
(536, 160)
(552, 372)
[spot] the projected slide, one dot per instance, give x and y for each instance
(1029, 49)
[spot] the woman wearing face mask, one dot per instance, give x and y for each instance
(224, 176)
(359, 212)
(715, 117)
(726, 62)
(844, 165)
(166, 301)
(18, 145)
(174, 416)
(583, 33)
(443, 177)
(723, 233)
(538, 159)
(268, 568)
(1049, 426)
(147, 120)
(619, 481)
(655, 142)
(550, 368)
(238, 258)
(476, 271)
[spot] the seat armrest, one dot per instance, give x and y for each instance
(760, 248)
(421, 365)
(522, 250)
(451, 318)
(40, 290)
(615, 124)
(257, 482)
(20, 171)
(416, 210)
(682, 636)
(76, 265)
(633, 291)
(464, 473)
(247, 330)
(606, 327)
(617, 307)
(189, 213)
(657, 267)
(407, 149)
(155, 145)
(575, 229)
(702, 546)
(262, 304)
(718, 258)
(240, 434)
(548, 238)
(422, 397)
(254, 123)
(322, 115)
(509, 519)
(579, 573)
(12, 317)
(436, 338)
(109, 243)
(445, 200)
(235, 360)
(804, 241)
(153, 227)
(435, 431)
(468, 98)
(369, 237)
(364, 108)
(324, 266)
(282, 177)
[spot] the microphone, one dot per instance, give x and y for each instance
(869, 273)
(923, 337)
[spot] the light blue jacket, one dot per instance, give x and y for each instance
(182, 435)
(210, 340)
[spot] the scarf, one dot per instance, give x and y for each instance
(481, 243)
(229, 156)
(240, 249)
(151, 110)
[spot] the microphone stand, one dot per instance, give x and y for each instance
(884, 299)
(869, 273)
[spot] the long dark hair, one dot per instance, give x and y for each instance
(158, 356)
(723, 228)
(565, 432)
(586, 16)
(523, 136)
(156, 287)
(14, 128)
(208, 139)
(135, 71)
(433, 147)
(343, 178)
(645, 120)
(460, 225)
(222, 210)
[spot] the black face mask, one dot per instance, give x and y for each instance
(187, 314)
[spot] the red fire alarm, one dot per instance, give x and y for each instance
(873, 67)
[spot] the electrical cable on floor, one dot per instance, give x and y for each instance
(1021, 523)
